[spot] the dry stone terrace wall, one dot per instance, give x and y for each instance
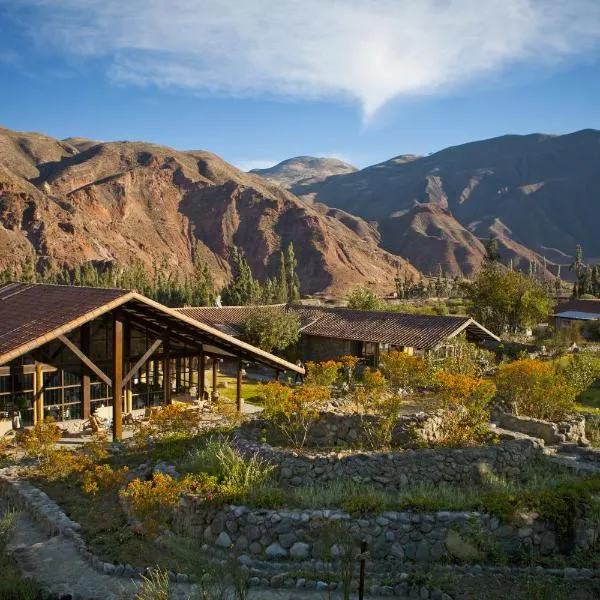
(399, 537)
(335, 429)
(394, 470)
(572, 430)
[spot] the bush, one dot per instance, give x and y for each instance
(272, 329)
(532, 388)
(39, 441)
(404, 371)
(466, 415)
(293, 410)
(581, 371)
(103, 478)
(323, 374)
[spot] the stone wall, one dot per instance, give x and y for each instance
(342, 429)
(400, 537)
(394, 470)
(572, 430)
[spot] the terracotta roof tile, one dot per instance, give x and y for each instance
(398, 329)
(29, 311)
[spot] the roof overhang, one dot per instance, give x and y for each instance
(577, 315)
(159, 316)
(476, 330)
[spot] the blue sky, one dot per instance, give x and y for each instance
(361, 80)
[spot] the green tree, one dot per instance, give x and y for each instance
(492, 254)
(272, 329)
(293, 281)
(282, 284)
(363, 298)
(506, 300)
(243, 289)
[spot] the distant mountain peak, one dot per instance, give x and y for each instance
(304, 170)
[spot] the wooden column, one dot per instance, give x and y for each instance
(166, 371)
(215, 368)
(117, 379)
(201, 367)
(86, 393)
(238, 390)
(178, 375)
(38, 407)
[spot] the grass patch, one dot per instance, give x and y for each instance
(250, 389)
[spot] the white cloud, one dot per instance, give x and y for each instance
(368, 50)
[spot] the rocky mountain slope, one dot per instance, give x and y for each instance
(539, 193)
(304, 170)
(78, 200)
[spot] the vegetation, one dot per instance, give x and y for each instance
(587, 277)
(533, 388)
(505, 300)
(272, 329)
(363, 298)
(244, 289)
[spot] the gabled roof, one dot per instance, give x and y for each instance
(580, 306)
(32, 315)
(398, 329)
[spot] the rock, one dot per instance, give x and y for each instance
(422, 554)
(223, 540)
(461, 549)
(547, 543)
(300, 550)
(321, 586)
(275, 551)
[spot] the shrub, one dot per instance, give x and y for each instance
(363, 298)
(581, 371)
(154, 586)
(532, 388)
(266, 497)
(364, 504)
(404, 371)
(103, 478)
(466, 416)
(39, 441)
(293, 410)
(323, 374)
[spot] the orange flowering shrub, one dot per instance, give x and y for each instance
(173, 419)
(322, 374)
(103, 478)
(153, 502)
(292, 410)
(39, 441)
(533, 388)
(404, 371)
(466, 415)
(349, 361)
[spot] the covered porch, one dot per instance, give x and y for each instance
(66, 351)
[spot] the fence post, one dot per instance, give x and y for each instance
(361, 581)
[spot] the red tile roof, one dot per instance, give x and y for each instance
(399, 329)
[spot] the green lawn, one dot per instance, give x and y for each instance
(250, 389)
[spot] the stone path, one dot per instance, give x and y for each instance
(59, 569)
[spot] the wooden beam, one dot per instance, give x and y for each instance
(85, 360)
(140, 363)
(38, 408)
(117, 382)
(86, 390)
(238, 391)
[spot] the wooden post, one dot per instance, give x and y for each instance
(238, 391)
(201, 366)
(117, 380)
(178, 375)
(361, 580)
(166, 371)
(38, 408)
(215, 368)
(86, 392)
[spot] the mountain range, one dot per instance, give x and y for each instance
(77, 200)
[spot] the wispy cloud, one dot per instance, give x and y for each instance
(368, 50)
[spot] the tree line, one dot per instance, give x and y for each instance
(168, 286)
